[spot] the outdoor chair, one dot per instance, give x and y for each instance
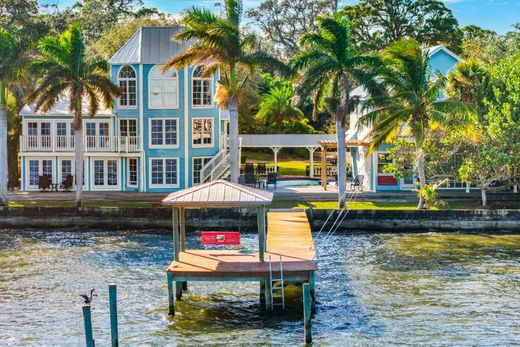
(250, 169)
(271, 179)
(250, 180)
(357, 182)
(261, 169)
(44, 183)
(67, 183)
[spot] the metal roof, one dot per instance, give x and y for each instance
(150, 45)
(61, 108)
(349, 143)
(283, 140)
(219, 194)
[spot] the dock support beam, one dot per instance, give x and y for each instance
(260, 215)
(262, 292)
(112, 298)
(307, 313)
(312, 283)
(268, 299)
(178, 290)
(87, 321)
(171, 302)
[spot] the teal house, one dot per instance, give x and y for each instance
(371, 166)
(159, 135)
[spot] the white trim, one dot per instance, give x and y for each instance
(127, 107)
(163, 107)
(211, 79)
(432, 52)
(163, 185)
(203, 145)
(193, 167)
(186, 130)
(141, 130)
(150, 145)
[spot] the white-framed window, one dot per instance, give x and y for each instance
(164, 172)
(67, 167)
(105, 173)
(37, 168)
(128, 127)
(202, 132)
(132, 172)
(163, 132)
(197, 164)
(201, 91)
(163, 89)
(128, 85)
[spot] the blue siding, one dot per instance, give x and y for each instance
(443, 62)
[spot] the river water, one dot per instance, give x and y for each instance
(376, 289)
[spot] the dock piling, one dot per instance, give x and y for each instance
(171, 303)
(87, 320)
(307, 313)
(262, 292)
(178, 290)
(112, 297)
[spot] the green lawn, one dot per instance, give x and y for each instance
(101, 203)
(368, 205)
(289, 165)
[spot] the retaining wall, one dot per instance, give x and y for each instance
(228, 219)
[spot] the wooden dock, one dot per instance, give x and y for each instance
(288, 235)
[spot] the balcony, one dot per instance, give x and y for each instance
(113, 144)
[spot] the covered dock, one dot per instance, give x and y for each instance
(280, 234)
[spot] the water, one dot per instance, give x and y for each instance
(405, 289)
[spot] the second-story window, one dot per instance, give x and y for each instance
(201, 89)
(202, 131)
(128, 85)
(163, 89)
(128, 127)
(163, 132)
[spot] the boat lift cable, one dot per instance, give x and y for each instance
(327, 220)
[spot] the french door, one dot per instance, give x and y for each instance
(37, 168)
(105, 174)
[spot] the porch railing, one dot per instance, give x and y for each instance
(37, 143)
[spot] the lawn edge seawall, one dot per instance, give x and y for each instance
(355, 220)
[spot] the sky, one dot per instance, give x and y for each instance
(496, 15)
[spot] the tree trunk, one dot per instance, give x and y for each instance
(78, 153)
(233, 140)
(483, 194)
(422, 177)
(515, 188)
(3, 146)
(342, 159)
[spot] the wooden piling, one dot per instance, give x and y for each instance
(307, 313)
(112, 297)
(178, 290)
(262, 292)
(171, 302)
(87, 320)
(312, 283)
(268, 299)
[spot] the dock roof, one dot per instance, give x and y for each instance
(219, 194)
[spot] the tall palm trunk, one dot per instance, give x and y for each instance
(3, 146)
(483, 194)
(233, 139)
(78, 153)
(342, 160)
(422, 176)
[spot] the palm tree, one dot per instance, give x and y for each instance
(412, 106)
(12, 61)
(331, 69)
(276, 107)
(66, 70)
(219, 46)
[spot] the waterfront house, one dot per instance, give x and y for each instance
(160, 133)
(371, 166)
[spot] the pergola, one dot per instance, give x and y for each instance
(333, 144)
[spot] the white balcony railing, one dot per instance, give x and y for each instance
(30, 143)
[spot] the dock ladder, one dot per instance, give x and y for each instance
(277, 286)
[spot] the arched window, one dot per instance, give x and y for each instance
(163, 89)
(128, 85)
(201, 89)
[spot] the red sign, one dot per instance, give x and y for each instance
(220, 238)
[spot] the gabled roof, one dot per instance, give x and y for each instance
(219, 194)
(150, 45)
(61, 108)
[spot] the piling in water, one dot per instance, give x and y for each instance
(87, 320)
(112, 297)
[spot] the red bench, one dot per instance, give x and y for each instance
(220, 238)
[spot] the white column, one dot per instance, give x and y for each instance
(275, 151)
(311, 160)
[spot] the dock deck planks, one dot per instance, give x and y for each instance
(288, 234)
